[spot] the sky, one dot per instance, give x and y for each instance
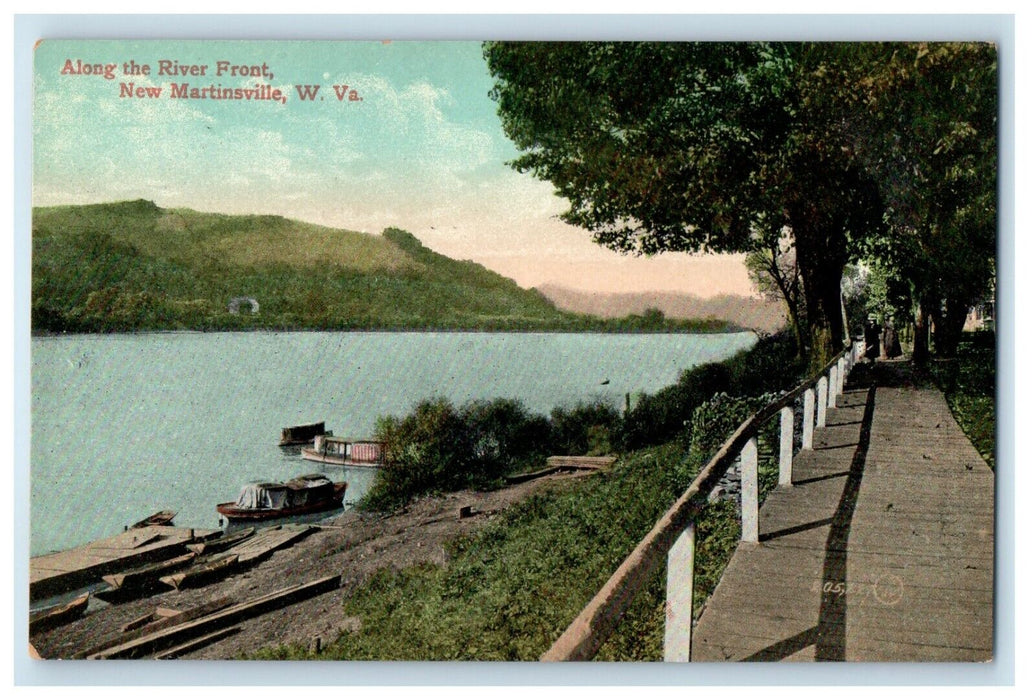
(418, 146)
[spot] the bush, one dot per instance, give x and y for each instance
(440, 448)
(583, 428)
(660, 417)
(505, 435)
(427, 450)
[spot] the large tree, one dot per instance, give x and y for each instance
(694, 147)
(924, 127)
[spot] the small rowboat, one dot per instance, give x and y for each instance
(147, 576)
(58, 615)
(162, 517)
(202, 574)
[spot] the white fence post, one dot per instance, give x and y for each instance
(822, 402)
(787, 436)
(750, 491)
(679, 597)
(832, 387)
(808, 401)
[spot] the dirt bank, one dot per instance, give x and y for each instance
(354, 545)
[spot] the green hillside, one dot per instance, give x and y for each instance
(130, 266)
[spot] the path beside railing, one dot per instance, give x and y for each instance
(881, 551)
(877, 545)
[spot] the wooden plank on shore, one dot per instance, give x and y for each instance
(58, 615)
(267, 541)
(156, 621)
(223, 543)
(202, 573)
(562, 463)
(60, 572)
(178, 634)
(198, 643)
(145, 576)
(578, 462)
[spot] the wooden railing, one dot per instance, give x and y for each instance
(672, 537)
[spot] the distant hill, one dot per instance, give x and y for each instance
(746, 312)
(131, 266)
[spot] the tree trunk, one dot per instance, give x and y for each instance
(791, 301)
(920, 354)
(821, 253)
(822, 287)
(950, 326)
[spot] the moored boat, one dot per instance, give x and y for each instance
(162, 517)
(309, 493)
(328, 449)
(302, 434)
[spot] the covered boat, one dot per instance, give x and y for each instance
(328, 449)
(309, 493)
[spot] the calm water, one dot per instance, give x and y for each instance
(126, 425)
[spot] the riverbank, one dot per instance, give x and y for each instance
(355, 545)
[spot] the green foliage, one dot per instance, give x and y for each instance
(584, 428)
(659, 417)
(438, 447)
(713, 421)
(969, 382)
(930, 143)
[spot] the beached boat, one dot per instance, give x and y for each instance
(302, 434)
(162, 517)
(328, 449)
(310, 493)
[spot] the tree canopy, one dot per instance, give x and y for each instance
(719, 147)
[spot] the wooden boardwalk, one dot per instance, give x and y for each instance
(52, 574)
(882, 550)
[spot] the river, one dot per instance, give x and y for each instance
(125, 425)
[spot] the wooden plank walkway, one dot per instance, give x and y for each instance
(52, 574)
(882, 550)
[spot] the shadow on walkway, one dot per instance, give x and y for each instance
(829, 633)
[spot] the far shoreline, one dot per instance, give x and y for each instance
(472, 331)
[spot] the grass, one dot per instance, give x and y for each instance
(969, 383)
(508, 591)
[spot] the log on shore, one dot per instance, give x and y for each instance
(179, 634)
